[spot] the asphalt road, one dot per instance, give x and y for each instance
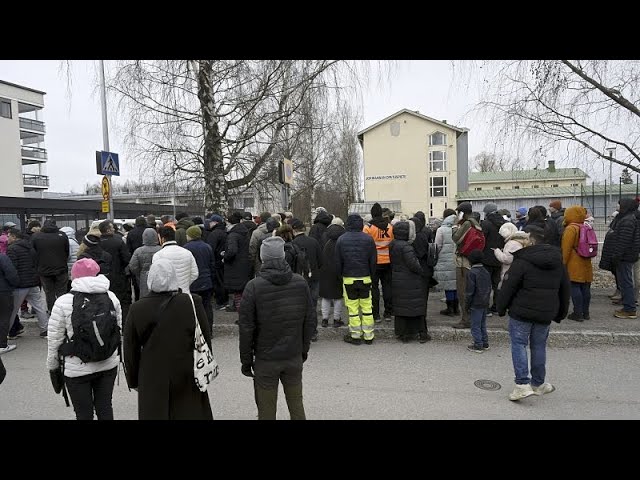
(387, 380)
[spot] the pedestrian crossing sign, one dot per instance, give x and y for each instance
(107, 163)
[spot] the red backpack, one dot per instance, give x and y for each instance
(587, 241)
(473, 240)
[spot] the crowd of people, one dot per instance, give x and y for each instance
(269, 270)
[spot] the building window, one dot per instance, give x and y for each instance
(516, 187)
(496, 188)
(437, 161)
(555, 185)
(438, 138)
(438, 186)
(536, 186)
(574, 184)
(5, 108)
(477, 189)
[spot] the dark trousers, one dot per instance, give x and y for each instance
(54, 286)
(136, 288)
(206, 301)
(495, 273)
(268, 374)
(581, 297)
(624, 273)
(382, 275)
(92, 391)
(314, 287)
(6, 307)
(220, 294)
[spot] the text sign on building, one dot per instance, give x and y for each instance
(107, 163)
(386, 177)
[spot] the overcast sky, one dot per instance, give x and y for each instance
(74, 127)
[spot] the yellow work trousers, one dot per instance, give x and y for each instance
(357, 298)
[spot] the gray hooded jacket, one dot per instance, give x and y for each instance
(142, 257)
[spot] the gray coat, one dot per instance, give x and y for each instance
(445, 269)
(142, 257)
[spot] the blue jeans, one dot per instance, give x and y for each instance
(581, 297)
(535, 336)
(451, 295)
(479, 327)
(624, 274)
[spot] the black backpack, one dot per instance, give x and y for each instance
(96, 334)
(300, 262)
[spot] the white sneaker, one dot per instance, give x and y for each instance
(520, 392)
(544, 388)
(8, 348)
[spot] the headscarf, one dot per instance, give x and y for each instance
(162, 276)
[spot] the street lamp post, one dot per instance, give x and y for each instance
(105, 132)
(612, 152)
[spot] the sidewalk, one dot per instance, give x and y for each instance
(602, 328)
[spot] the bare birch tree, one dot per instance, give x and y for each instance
(571, 106)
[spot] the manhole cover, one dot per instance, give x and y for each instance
(487, 385)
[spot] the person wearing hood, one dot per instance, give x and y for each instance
(445, 269)
(217, 240)
(406, 280)
(183, 222)
(465, 221)
(52, 251)
(22, 256)
(620, 252)
(425, 239)
(320, 225)
(275, 336)
(203, 285)
(90, 384)
(491, 227)
(265, 230)
(579, 268)
(521, 218)
(535, 291)
(356, 258)
(91, 248)
(158, 349)
(236, 258)
(73, 249)
(381, 231)
(514, 241)
(330, 282)
(142, 259)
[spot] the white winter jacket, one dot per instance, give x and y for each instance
(60, 322)
(514, 243)
(182, 260)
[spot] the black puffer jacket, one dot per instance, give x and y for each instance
(536, 288)
(478, 288)
(217, 239)
(120, 256)
(314, 253)
(276, 317)
(424, 236)
(330, 281)
(319, 228)
(406, 275)
(491, 228)
(356, 254)
(23, 257)
(134, 238)
(236, 258)
(96, 253)
(52, 249)
(626, 233)
(8, 275)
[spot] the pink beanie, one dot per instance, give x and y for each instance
(85, 267)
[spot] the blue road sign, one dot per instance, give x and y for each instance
(107, 163)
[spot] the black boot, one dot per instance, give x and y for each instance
(456, 307)
(449, 310)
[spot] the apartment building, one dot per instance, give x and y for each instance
(23, 157)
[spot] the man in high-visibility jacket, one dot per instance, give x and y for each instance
(356, 264)
(382, 233)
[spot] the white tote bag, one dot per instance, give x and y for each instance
(205, 367)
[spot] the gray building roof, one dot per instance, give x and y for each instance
(538, 174)
(545, 192)
(22, 87)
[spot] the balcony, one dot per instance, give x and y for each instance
(32, 155)
(35, 182)
(33, 125)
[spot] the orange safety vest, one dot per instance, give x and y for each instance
(382, 241)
